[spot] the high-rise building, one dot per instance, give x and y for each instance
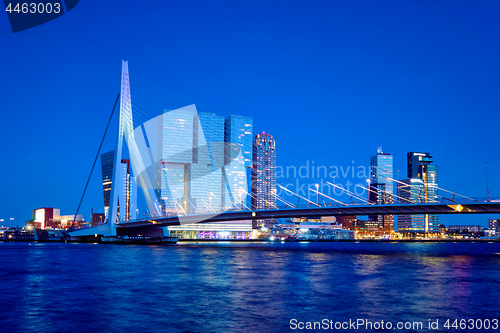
(417, 162)
(127, 209)
(238, 130)
(410, 191)
(199, 171)
(264, 176)
(381, 170)
(238, 157)
(213, 129)
(494, 224)
(107, 160)
(421, 187)
(381, 190)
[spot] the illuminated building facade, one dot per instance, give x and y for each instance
(347, 221)
(51, 218)
(421, 186)
(238, 157)
(126, 209)
(200, 171)
(381, 191)
(264, 176)
(413, 190)
(238, 130)
(213, 130)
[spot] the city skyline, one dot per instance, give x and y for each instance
(397, 75)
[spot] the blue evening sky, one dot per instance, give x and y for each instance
(331, 80)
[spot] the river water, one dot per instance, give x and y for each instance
(245, 287)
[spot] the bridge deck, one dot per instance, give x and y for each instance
(429, 208)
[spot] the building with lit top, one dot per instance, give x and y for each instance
(381, 191)
(238, 130)
(238, 157)
(128, 208)
(420, 187)
(263, 176)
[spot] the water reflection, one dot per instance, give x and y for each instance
(240, 287)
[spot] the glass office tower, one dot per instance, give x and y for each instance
(421, 171)
(238, 157)
(238, 130)
(411, 191)
(381, 170)
(199, 172)
(381, 189)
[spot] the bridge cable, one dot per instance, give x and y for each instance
(95, 161)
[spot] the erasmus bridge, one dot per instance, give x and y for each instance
(140, 145)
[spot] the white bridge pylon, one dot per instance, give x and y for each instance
(126, 131)
(118, 192)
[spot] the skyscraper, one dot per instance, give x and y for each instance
(263, 175)
(381, 170)
(410, 191)
(381, 189)
(238, 130)
(107, 160)
(185, 163)
(199, 172)
(127, 208)
(213, 129)
(238, 136)
(421, 186)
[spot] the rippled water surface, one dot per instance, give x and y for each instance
(242, 287)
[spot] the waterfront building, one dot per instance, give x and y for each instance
(200, 170)
(214, 231)
(127, 207)
(107, 160)
(420, 167)
(51, 218)
(465, 228)
(347, 221)
(213, 130)
(494, 224)
(422, 187)
(324, 228)
(381, 191)
(381, 170)
(176, 151)
(264, 176)
(97, 219)
(238, 157)
(413, 191)
(238, 130)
